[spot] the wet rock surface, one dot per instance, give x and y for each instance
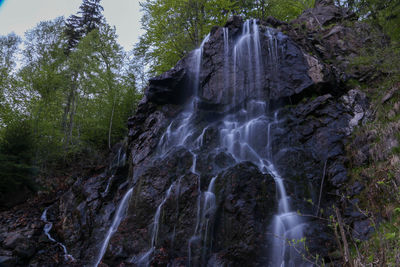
(286, 79)
(243, 207)
(245, 200)
(22, 237)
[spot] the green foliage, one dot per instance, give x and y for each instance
(74, 103)
(383, 14)
(284, 10)
(384, 57)
(8, 50)
(103, 88)
(16, 158)
(175, 27)
(384, 244)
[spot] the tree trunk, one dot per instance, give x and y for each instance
(111, 120)
(69, 112)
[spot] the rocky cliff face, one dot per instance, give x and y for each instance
(207, 149)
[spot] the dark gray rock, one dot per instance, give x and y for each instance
(12, 240)
(7, 261)
(356, 188)
(26, 249)
(324, 14)
(362, 229)
(169, 87)
(291, 79)
(246, 201)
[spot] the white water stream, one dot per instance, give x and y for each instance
(47, 228)
(119, 215)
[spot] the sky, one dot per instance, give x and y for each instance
(21, 15)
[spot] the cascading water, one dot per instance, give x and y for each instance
(180, 129)
(119, 160)
(47, 228)
(247, 62)
(120, 213)
(246, 134)
(144, 260)
(177, 134)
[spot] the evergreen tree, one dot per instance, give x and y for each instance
(90, 17)
(77, 27)
(73, 32)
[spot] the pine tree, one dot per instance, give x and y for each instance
(91, 17)
(78, 26)
(73, 32)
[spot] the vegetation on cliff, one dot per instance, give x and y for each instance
(374, 150)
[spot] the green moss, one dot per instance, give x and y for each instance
(353, 83)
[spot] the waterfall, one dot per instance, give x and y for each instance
(198, 55)
(209, 207)
(206, 207)
(177, 134)
(243, 139)
(247, 134)
(145, 259)
(119, 160)
(47, 228)
(110, 179)
(226, 59)
(247, 62)
(123, 205)
(156, 221)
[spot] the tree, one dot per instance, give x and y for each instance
(89, 18)
(69, 99)
(101, 60)
(42, 85)
(8, 51)
(382, 14)
(175, 27)
(78, 27)
(73, 32)
(16, 158)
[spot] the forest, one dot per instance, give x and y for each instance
(68, 88)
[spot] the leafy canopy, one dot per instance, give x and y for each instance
(175, 27)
